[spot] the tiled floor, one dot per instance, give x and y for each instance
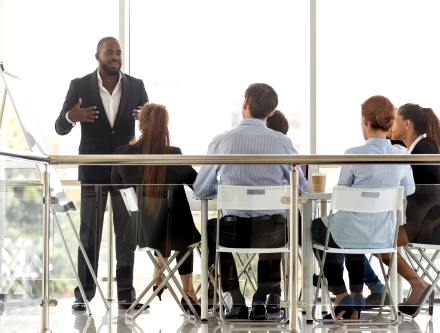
(165, 317)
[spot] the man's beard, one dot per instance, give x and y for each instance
(108, 70)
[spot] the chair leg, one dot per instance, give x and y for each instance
(244, 269)
(211, 278)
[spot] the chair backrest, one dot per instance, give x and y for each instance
(252, 197)
(367, 200)
(130, 199)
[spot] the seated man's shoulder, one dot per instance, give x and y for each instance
(221, 136)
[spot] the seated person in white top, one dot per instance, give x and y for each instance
(362, 230)
(251, 136)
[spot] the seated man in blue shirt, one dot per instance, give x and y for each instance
(251, 136)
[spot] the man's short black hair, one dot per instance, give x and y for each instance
(278, 122)
(262, 100)
(102, 41)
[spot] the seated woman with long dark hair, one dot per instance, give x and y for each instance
(362, 230)
(155, 226)
(422, 210)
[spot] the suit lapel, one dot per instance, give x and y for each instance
(97, 99)
(123, 104)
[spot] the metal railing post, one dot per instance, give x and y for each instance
(46, 233)
(293, 240)
(110, 251)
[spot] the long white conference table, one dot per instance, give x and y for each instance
(208, 204)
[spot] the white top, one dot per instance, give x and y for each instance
(110, 101)
(416, 141)
(358, 230)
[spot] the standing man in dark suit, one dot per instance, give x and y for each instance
(102, 102)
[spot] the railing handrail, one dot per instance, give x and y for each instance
(219, 159)
(22, 155)
(241, 159)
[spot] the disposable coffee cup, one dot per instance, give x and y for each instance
(318, 182)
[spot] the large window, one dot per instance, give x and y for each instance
(48, 43)
(197, 58)
(373, 47)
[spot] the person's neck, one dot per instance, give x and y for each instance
(247, 115)
(108, 81)
(410, 139)
(376, 134)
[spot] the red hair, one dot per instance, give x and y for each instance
(380, 112)
(155, 139)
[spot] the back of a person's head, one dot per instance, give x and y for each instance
(424, 121)
(278, 122)
(153, 125)
(380, 112)
(262, 100)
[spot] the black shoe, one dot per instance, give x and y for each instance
(79, 305)
(414, 309)
(125, 304)
(258, 311)
(372, 301)
(194, 304)
(238, 312)
(273, 303)
(159, 294)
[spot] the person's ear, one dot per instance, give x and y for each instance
(245, 104)
(97, 56)
(271, 114)
(364, 121)
(407, 124)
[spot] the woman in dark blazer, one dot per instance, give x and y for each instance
(157, 187)
(423, 206)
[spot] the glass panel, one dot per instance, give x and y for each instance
(21, 216)
(33, 135)
(199, 66)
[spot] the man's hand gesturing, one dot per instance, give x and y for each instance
(136, 115)
(87, 115)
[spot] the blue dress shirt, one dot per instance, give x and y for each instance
(358, 230)
(251, 136)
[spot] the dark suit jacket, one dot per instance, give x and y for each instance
(99, 137)
(163, 233)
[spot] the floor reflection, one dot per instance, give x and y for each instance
(164, 317)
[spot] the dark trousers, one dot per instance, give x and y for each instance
(244, 233)
(332, 265)
(93, 202)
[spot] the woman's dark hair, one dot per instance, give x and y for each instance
(380, 112)
(262, 100)
(278, 122)
(424, 120)
(154, 139)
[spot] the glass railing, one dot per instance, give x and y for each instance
(23, 226)
(21, 213)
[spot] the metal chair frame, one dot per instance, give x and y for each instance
(418, 266)
(243, 199)
(365, 200)
(131, 202)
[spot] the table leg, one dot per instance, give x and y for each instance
(307, 259)
(204, 260)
